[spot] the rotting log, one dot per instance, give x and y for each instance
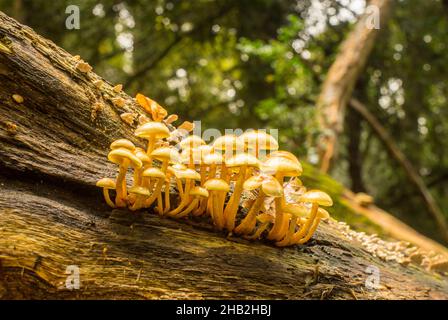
(53, 148)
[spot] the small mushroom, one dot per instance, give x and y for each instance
(316, 198)
(189, 175)
(118, 102)
(157, 112)
(280, 167)
(83, 66)
(216, 187)
(322, 214)
(140, 193)
(152, 131)
(298, 211)
(241, 161)
(256, 141)
(265, 220)
(196, 193)
(128, 117)
(268, 187)
(148, 173)
(107, 184)
(124, 158)
(166, 155)
(171, 118)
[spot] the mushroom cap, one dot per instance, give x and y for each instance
(228, 142)
(122, 143)
(283, 154)
(271, 187)
(323, 214)
(153, 173)
(106, 183)
(140, 190)
(216, 185)
(153, 129)
(192, 141)
(177, 166)
(284, 166)
(316, 196)
(213, 158)
(117, 156)
(187, 174)
(141, 154)
(298, 210)
(253, 183)
(166, 153)
(243, 159)
(199, 191)
(258, 139)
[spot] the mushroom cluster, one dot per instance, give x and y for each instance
(178, 175)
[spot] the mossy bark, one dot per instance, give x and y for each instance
(53, 148)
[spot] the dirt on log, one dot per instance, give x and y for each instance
(53, 148)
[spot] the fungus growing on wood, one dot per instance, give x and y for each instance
(240, 161)
(107, 184)
(17, 98)
(196, 193)
(216, 187)
(268, 187)
(316, 198)
(224, 162)
(280, 167)
(124, 158)
(152, 131)
(118, 88)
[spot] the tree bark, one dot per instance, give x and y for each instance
(414, 177)
(341, 79)
(53, 148)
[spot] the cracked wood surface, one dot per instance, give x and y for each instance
(51, 214)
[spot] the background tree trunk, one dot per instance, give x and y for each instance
(342, 76)
(53, 148)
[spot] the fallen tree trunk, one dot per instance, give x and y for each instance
(53, 148)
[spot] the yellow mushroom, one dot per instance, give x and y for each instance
(257, 141)
(166, 155)
(298, 211)
(196, 193)
(149, 173)
(316, 198)
(268, 187)
(140, 193)
(322, 214)
(152, 131)
(106, 184)
(216, 187)
(124, 158)
(189, 175)
(228, 145)
(265, 220)
(280, 167)
(241, 161)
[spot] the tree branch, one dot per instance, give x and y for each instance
(414, 177)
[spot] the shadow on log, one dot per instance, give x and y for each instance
(53, 148)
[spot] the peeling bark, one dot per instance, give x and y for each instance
(53, 148)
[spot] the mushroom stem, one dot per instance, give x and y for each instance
(107, 198)
(202, 206)
(167, 196)
(160, 203)
(250, 220)
(310, 232)
(259, 231)
(297, 236)
(190, 208)
(202, 172)
(158, 187)
(180, 188)
(287, 239)
(234, 201)
(151, 143)
(278, 222)
(121, 184)
(217, 211)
